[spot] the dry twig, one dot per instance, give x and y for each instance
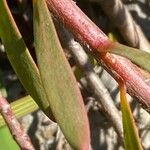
(123, 20)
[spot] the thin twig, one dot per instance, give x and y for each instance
(123, 20)
(14, 126)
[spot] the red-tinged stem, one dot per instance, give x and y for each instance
(133, 78)
(14, 126)
(87, 32)
(83, 28)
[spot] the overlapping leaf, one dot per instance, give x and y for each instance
(20, 57)
(131, 137)
(58, 80)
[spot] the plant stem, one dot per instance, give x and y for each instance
(21, 107)
(16, 130)
(88, 33)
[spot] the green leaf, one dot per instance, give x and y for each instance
(6, 141)
(131, 137)
(20, 57)
(21, 107)
(58, 80)
(139, 57)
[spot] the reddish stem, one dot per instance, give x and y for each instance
(133, 78)
(81, 26)
(14, 126)
(87, 32)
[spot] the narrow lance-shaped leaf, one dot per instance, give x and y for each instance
(20, 57)
(58, 80)
(131, 137)
(139, 57)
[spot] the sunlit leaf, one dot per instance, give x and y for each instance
(131, 137)
(58, 80)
